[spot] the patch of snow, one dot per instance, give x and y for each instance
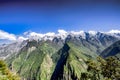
(92, 32)
(114, 31)
(80, 33)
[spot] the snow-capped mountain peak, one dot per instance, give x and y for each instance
(92, 32)
(92, 37)
(114, 31)
(79, 33)
(63, 34)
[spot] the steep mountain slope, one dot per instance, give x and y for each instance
(60, 57)
(71, 63)
(39, 61)
(34, 60)
(113, 50)
(99, 40)
(6, 50)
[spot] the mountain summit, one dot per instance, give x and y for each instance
(57, 56)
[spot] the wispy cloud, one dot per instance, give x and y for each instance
(21, 38)
(49, 35)
(114, 31)
(6, 35)
(61, 31)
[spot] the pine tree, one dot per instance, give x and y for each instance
(6, 74)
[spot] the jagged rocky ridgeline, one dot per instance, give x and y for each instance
(57, 58)
(97, 39)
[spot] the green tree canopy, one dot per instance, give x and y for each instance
(6, 74)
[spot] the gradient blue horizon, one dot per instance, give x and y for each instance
(18, 18)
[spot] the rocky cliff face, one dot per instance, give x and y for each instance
(99, 40)
(56, 59)
(113, 50)
(45, 62)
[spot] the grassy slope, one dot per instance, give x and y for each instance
(39, 61)
(77, 60)
(72, 62)
(31, 64)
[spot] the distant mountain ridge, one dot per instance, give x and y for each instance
(97, 39)
(41, 58)
(63, 34)
(113, 50)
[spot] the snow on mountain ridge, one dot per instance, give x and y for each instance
(63, 34)
(13, 48)
(51, 35)
(91, 36)
(114, 31)
(80, 33)
(92, 32)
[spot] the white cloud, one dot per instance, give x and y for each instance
(50, 34)
(92, 32)
(61, 31)
(6, 35)
(36, 36)
(114, 31)
(33, 34)
(25, 33)
(21, 38)
(77, 33)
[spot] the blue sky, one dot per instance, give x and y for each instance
(17, 18)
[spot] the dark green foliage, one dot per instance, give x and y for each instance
(111, 68)
(70, 61)
(108, 69)
(6, 74)
(39, 60)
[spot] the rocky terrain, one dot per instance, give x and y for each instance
(59, 57)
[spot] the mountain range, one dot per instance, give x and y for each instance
(59, 56)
